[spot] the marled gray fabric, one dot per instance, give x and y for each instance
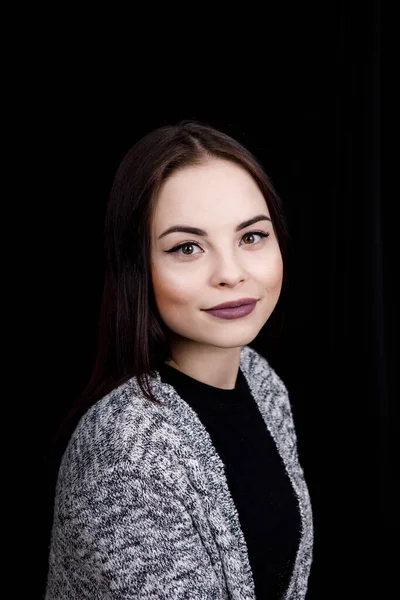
(143, 509)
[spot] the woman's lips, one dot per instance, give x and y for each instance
(233, 303)
(233, 313)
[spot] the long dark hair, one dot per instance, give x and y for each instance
(132, 338)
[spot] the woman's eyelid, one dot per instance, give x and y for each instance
(178, 247)
(203, 241)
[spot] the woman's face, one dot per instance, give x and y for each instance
(221, 266)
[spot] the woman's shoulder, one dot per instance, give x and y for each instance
(122, 426)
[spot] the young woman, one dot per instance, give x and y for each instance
(181, 478)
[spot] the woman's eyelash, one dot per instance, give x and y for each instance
(176, 248)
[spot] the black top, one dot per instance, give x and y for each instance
(257, 479)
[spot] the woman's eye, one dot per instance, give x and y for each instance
(186, 245)
(253, 233)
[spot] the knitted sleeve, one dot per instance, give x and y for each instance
(124, 536)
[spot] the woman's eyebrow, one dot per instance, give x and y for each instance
(197, 231)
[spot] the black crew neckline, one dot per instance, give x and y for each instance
(183, 382)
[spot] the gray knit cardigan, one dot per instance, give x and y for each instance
(142, 506)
